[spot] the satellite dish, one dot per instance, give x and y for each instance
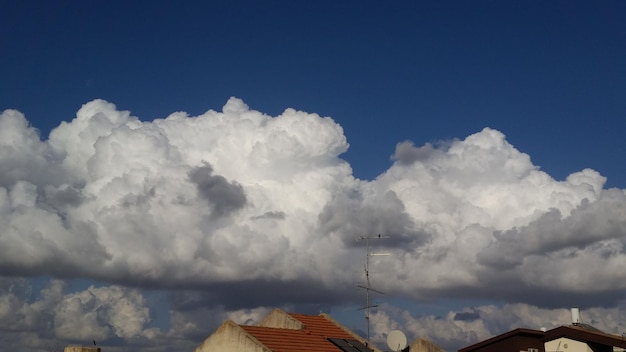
(396, 340)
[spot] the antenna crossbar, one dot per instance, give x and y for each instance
(367, 287)
(371, 289)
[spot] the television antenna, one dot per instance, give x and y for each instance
(367, 287)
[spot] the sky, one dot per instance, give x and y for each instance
(166, 166)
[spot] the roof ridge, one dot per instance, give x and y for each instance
(270, 327)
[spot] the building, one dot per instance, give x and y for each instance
(286, 332)
(582, 338)
(574, 338)
(280, 331)
(423, 345)
(515, 341)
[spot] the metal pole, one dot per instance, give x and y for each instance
(367, 286)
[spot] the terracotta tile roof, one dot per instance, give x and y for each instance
(286, 340)
(321, 326)
(313, 338)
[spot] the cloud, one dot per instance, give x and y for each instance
(171, 201)
(239, 201)
(494, 219)
(552, 232)
(24, 156)
(58, 316)
(224, 197)
(239, 195)
(407, 154)
(100, 313)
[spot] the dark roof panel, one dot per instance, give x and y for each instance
(349, 345)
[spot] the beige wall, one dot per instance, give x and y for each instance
(566, 345)
(279, 319)
(230, 337)
(423, 345)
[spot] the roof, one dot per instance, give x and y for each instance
(320, 325)
(531, 333)
(579, 333)
(286, 340)
(313, 337)
(585, 335)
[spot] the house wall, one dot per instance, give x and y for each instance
(512, 344)
(231, 338)
(566, 345)
(423, 345)
(279, 319)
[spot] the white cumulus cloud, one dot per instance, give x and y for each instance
(240, 201)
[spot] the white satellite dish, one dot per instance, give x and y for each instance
(396, 340)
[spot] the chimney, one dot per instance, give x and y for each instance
(575, 316)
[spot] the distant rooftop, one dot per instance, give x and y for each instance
(286, 332)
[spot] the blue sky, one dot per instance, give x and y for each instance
(476, 87)
(548, 75)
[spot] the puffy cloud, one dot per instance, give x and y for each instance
(407, 154)
(239, 201)
(490, 217)
(102, 313)
(55, 316)
(174, 200)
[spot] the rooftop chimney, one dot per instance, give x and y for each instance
(575, 316)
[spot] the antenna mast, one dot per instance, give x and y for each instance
(367, 287)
